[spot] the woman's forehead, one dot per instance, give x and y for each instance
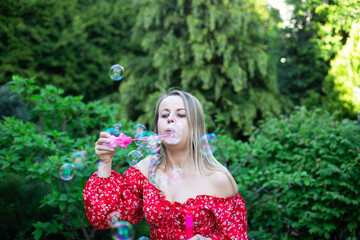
(172, 103)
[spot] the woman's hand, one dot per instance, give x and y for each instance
(103, 152)
(199, 237)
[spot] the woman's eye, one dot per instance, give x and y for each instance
(165, 115)
(181, 115)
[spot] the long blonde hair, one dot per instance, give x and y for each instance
(195, 116)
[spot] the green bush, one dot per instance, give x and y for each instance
(33, 151)
(299, 176)
(68, 43)
(12, 105)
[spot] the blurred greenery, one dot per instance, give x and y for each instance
(342, 84)
(284, 99)
(216, 50)
(70, 44)
(299, 174)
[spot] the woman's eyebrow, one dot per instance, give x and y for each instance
(166, 109)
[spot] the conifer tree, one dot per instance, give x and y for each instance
(67, 43)
(214, 49)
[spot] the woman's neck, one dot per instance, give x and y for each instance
(179, 159)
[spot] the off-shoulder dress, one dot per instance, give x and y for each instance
(134, 197)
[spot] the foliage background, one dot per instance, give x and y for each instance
(283, 99)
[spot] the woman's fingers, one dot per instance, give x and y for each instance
(102, 152)
(104, 135)
(100, 141)
(103, 148)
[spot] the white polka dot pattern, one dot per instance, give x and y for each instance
(133, 196)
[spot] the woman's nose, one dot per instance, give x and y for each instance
(170, 119)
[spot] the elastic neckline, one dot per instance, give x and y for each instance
(189, 200)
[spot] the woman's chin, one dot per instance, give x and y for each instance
(171, 141)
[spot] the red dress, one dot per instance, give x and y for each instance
(134, 197)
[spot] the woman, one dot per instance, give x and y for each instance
(208, 192)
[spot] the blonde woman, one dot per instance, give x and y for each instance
(207, 193)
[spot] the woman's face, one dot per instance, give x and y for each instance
(172, 116)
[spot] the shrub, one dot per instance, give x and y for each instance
(33, 151)
(300, 177)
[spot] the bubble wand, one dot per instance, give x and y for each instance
(189, 225)
(123, 141)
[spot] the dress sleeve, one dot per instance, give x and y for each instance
(231, 220)
(122, 194)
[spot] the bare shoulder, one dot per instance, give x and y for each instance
(224, 184)
(143, 166)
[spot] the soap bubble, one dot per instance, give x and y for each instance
(67, 171)
(154, 159)
(134, 157)
(153, 143)
(100, 166)
(115, 130)
(113, 218)
(123, 231)
(138, 128)
(163, 181)
(209, 143)
(153, 178)
(143, 138)
(79, 159)
(149, 141)
(116, 72)
(177, 175)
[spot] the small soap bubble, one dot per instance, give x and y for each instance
(142, 138)
(155, 158)
(113, 218)
(123, 231)
(112, 131)
(209, 143)
(67, 171)
(138, 128)
(134, 157)
(116, 72)
(163, 181)
(174, 132)
(141, 149)
(117, 128)
(79, 159)
(153, 178)
(177, 175)
(153, 143)
(143, 238)
(149, 141)
(100, 166)
(153, 161)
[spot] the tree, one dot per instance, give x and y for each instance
(317, 32)
(302, 68)
(70, 44)
(342, 85)
(214, 49)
